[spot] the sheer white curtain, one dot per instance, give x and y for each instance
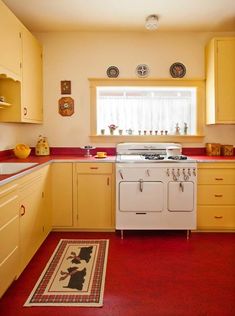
(146, 111)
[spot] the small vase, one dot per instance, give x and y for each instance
(111, 131)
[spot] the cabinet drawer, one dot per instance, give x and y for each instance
(8, 271)
(216, 217)
(216, 176)
(94, 168)
(8, 208)
(216, 194)
(9, 238)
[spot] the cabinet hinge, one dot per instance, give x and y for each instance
(20, 34)
(20, 64)
(43, 228)
(43, 194)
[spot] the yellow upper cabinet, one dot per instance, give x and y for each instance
(31, 98)
(10, 52)
(20, 71)
(220, 81)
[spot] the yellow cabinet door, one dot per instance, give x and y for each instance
(34, 214)
(62, 194)
(94, 201)
(220, 81)
(226, 80)
(10, 52)
(31, 223)
(31, 104)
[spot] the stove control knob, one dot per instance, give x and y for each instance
(189, 172)
(148, 172)
(120, 172)
(194, 172)
(168, 172)
(186, 176)
(178, 172)
(174, 175)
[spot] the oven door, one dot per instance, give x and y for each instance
(141, 196)
(181, 196)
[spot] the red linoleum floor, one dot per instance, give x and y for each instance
(148, 274)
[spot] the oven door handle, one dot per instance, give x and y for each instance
(182, 186)
(141, 185)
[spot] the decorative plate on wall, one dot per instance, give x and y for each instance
(142, 70)
(177, 70)
(112, 72)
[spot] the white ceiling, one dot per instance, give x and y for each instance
(124, 15)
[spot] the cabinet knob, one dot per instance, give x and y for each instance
(22, 210)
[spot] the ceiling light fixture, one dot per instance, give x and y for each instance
(151, 22)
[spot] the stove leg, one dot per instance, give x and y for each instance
(121, 233)
(188, 233)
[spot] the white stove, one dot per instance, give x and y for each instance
(150, 152)
(154, 190)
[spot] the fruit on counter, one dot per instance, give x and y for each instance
(22, 151)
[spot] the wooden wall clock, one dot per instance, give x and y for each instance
(66, 106)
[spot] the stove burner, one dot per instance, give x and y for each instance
(179, 157)
(153, 157)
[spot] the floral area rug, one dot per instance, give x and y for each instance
(74, 275)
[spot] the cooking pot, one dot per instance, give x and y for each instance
(173, 151)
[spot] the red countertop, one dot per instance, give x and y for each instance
(78, 158)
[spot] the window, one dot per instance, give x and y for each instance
(146, 110)
(147, 107)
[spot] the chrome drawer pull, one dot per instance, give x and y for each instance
(219, 179)
(218, 195)
(218, 217)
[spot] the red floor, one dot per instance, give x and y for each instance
(148, 273)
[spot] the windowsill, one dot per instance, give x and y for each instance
(146, 138)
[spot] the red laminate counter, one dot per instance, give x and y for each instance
(43, 160)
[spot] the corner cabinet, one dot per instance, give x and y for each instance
(20, 71)
(220, 81)
(94, 196)
(216, 196)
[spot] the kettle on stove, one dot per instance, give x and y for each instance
(42, 148)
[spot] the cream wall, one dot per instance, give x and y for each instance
(77, 56)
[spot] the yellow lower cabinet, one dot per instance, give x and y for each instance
(94, 188)
(216, 217)
(216, 196)
(34, 215)
(9, 235)
(62, 195)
